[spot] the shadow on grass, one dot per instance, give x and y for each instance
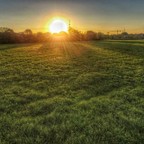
(12, 46)
(133, 49)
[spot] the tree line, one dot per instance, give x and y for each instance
(8, 36)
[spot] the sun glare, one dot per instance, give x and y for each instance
(58, 25)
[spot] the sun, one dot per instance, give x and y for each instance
(58, 25)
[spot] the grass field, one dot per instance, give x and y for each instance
(72, 93)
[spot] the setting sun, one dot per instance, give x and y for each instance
(58, 25)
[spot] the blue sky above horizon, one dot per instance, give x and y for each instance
(97, 15)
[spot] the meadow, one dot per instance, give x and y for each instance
(72, 93)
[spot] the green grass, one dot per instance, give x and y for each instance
(72, 93)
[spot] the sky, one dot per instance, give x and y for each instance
(96, 15)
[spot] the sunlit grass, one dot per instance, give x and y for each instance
(72, 92)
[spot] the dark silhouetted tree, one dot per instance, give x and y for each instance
(74, 34)
(90, 35)
(7, 35)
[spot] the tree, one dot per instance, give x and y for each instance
(7, 35)
(100, 36)
(74, 34)
(28, 35)
(90, 35)
(28, 32)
